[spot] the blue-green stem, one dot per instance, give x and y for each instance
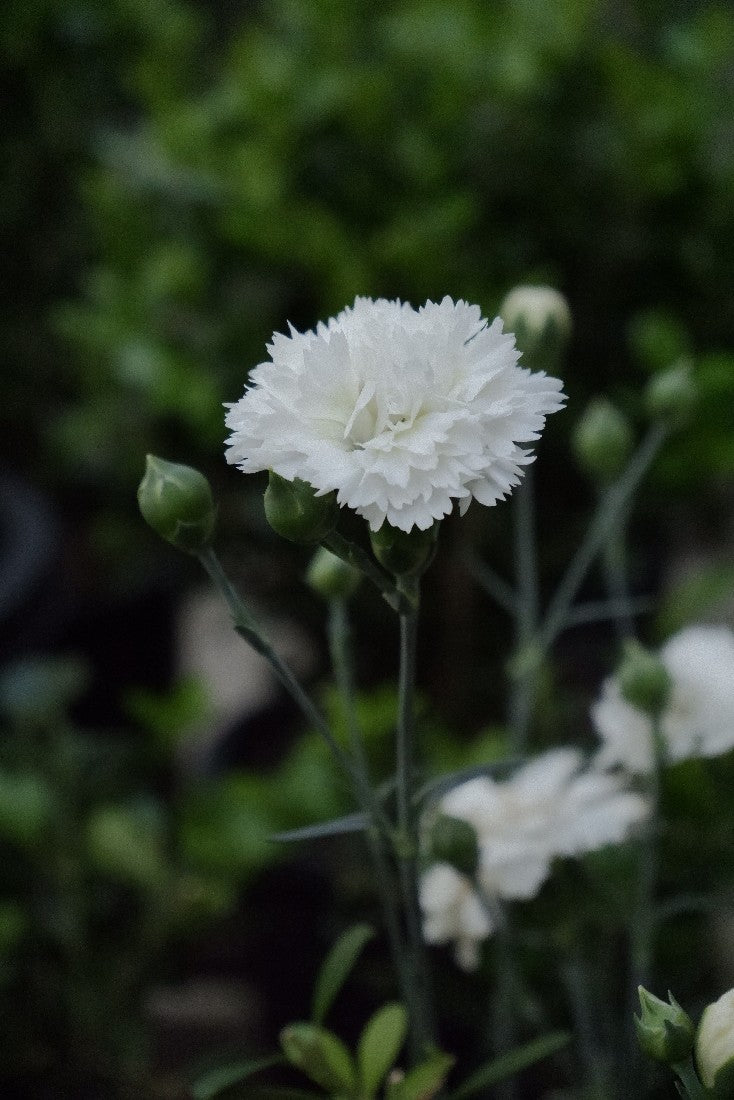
(686, 1073)
(247, 628)
(340, 649)
(406, 837)
(614, 562)
(609, 513)
(354, 555)
(523, 685)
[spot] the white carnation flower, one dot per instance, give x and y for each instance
(699, 717)
(550, 808)
(401, 411)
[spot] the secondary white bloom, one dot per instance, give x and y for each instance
(699, 717)
(402, 411)
(550, 808)
(715, 1039)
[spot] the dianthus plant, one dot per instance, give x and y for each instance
(403, 416)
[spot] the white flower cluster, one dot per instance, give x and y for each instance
(401, 411)
(551, 807)
(699, 717)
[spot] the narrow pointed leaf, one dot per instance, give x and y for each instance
(423, 1082)
(507, 1065)
(224, 1077)
(351, 823)
(379, 1046)
(336, 968)
(321, 1055)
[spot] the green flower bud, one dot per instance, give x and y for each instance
(541, 321)
(664, 1031)
(643, 679)
(295, 512)
(404, 553)
(715, 1046)
(602, 440)
(177, 503)
(331, 577)
(321, 1056)
(671, 395)
(453, 840)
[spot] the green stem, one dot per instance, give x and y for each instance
(341, 658)
(608, 514)
(245, 625)
(524, 682)
(686, 1073)
(354, 555)
(614, 561)
(406, 840)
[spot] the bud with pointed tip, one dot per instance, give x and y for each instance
(664, 1030)
(404, 553)
(176, 501)
(602, 440)
(294, 511)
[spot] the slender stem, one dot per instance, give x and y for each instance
(354, 555)
(614, 561)
(422, 1024)
(688, 1077)
(245, 625)
(341, 658)
(494, 585)
(524, 681)
(607, 516)
(598, 610)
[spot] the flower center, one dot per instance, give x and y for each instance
(372, 417)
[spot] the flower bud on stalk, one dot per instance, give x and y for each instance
(453, 840)
(643, 679)
(715, 1046)
(671, 395)
(330, 577)
(295, 512)
(602, 441)
(541, 321)
(664, 1030)
(404, 553)
(176, 501)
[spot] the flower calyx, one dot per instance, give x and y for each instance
(295, 511)
(665, 1031)
(176, 501)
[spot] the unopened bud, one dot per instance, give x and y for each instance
(715, 1046)
(404, 553)
(295, 512)
(671, 395)
(541, 321)
(643, 679)
(177, 503)
(603, 440)
(331, 577)
(453, 840)
(664, 1030)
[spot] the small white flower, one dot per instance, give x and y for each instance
(549, 808)
(715, 1040)
(699, 717)
(402, 411)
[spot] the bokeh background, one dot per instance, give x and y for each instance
(179, 180)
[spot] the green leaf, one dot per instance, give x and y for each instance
(507, 1065)
(380, 1044)
(337, 967)
(351, 823)
(423, 1082)
(321, 1056)
(224, 1077)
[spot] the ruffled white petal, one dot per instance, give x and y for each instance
(402, 412)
